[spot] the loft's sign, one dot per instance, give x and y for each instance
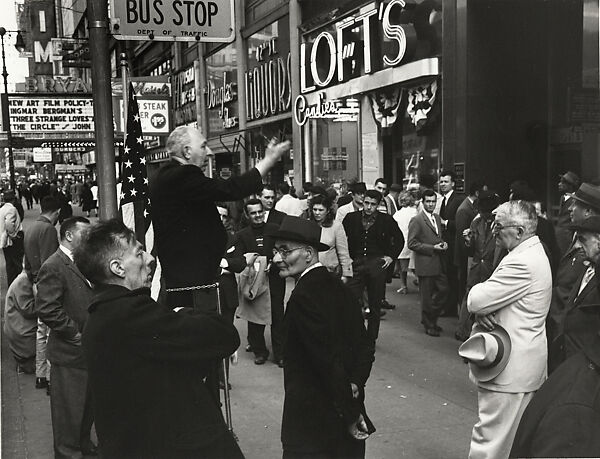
(369, 40)
(336, 109)
(269, 84)
(219, 96)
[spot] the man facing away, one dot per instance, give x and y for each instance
(288, 204)
(516, 297)
(425, 239)
(147, 363)
(190, 238)
(328, 356)
(40, 241)
(61, 301)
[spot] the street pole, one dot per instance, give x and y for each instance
(103, 115)
(6, 115)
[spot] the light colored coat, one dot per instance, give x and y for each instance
(335, 237)
(519, 292)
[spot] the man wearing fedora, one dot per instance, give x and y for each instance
(580, 322)
(516, 298)
(567, 186)
(585, 203)
(328, 356)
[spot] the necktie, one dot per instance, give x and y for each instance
(443, 209)
(586, 278)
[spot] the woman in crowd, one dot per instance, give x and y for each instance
(403, 216)
(337, 259)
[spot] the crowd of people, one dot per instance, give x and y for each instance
(523, 287)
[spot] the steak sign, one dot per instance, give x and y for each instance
(173, 20)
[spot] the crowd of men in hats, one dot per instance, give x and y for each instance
(524, 289)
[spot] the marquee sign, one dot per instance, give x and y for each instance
(336, 109)
(58, 114)
(371, 39)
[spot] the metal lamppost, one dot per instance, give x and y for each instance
(20, 45)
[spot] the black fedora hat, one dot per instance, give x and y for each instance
(300, 230)
(570, 177)
(588, 194)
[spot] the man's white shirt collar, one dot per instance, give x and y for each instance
(66, 251)
(311, 267)
(447, 195)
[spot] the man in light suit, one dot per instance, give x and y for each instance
(425, 239)
(517, 297)
(62, 297)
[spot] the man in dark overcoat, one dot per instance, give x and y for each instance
(61, 301)
(567, 185)
(328, 356)
(146, 363)
(190, 238)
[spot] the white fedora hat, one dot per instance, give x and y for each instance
(487, 352)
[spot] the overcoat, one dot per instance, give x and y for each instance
(40, 241)
(326, 348)
(146, 366)
(190, 238)
(63, 294)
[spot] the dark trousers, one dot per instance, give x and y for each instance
(434, 293)
(256, 332)
(71, 410)
(346, 448)
(370, 275)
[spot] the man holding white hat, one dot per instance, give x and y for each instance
(508, 349)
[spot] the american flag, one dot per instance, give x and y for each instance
(133, 192)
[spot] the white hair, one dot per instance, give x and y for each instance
(519, 213)
(178, 140)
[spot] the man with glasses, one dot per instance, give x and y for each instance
(374, 242)
(328, 356)
(267, 307)
(517, 297)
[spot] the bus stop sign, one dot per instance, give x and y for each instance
(173, 20)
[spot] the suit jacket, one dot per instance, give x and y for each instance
(580, 322)
(190, 238)
(421, 239)
(391, 204)
(326, 349)
(465, 214)
(518, 292)
(386, 232)
(563, 418)
(63, 294)
(146, 364)
(449, 214)
(40, 241)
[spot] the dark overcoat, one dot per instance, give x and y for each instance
(146, 365)
(326, 348)
(385, 231)
(563, 418)
(190, 238)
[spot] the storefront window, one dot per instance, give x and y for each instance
(221, 93)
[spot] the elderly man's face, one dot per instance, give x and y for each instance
(291, 258)
(138, 266)
(198, 151)
(507, 233)
(591, 245)
(578, 211)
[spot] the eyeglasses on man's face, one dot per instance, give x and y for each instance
(497, 227)
(285, 252)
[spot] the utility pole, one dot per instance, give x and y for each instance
(103, 114)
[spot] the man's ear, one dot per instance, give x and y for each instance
(186, 153)
(116, 268)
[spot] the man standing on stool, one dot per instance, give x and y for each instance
(190, 238)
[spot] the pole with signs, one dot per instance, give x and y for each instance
(103, 115)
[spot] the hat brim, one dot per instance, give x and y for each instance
(286, 236)
(485, 374)
(589, 203)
